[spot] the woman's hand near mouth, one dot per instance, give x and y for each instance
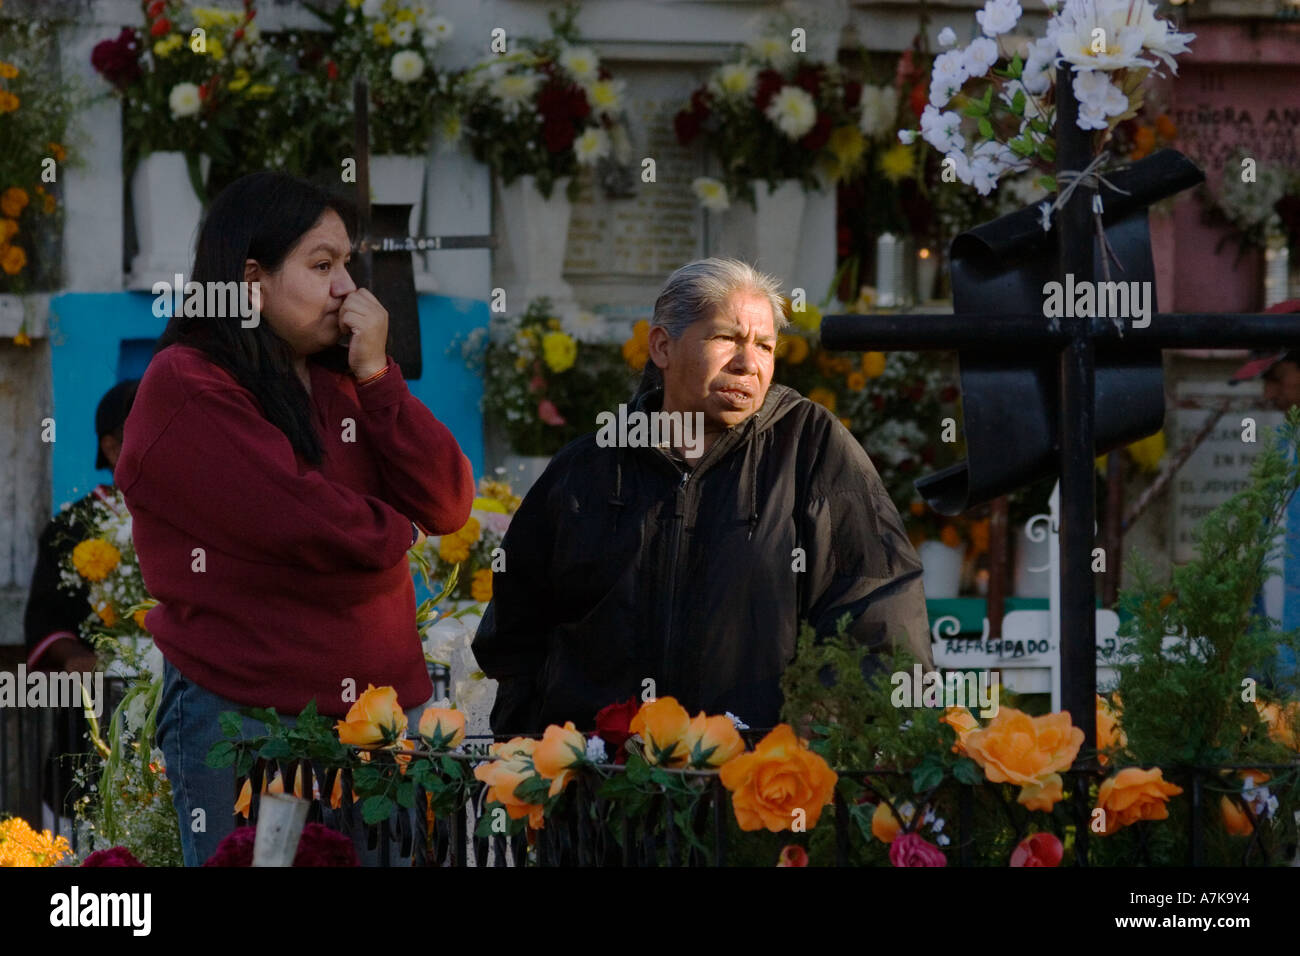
(367, 321)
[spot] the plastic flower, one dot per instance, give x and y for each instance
(559, 351)
(779, 782)
(711, 193)
(561, 750)
(1040, 849)
(442, 727)
(1235, 820)
(979, 57)
(1017, 748)
(184, 100)
(592, 145)
(1043, 795)
(911, 849)
(407, 66)
(1134, 794)
(374, 720)
(712, 741)
(662, 725)
(885, 827)
(95, 558)
(960, 719)
(792, 111)
(998, 17)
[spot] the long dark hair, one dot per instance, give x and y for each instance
(260, 216)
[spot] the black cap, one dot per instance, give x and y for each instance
(111, 414)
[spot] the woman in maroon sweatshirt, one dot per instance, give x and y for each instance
(276, 480)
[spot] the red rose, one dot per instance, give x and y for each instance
(852, 93)
(687, 126)
(1041, 849)
(819, 135)
(910, 849)
(769, 82)
(701, 102)
(114, 856)
(318, 846)
(116, 60)
(559, 134)
(612, 723)
(157, 7)
(160, 26)
(810, 79)
(793, 856)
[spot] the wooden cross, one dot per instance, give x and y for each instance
(1072, 342)
(390, 276)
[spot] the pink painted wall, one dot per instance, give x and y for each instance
(1239, 88)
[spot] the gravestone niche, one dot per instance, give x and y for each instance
(1002, 267)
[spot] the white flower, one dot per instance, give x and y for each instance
(373, 8)
(136, 712)
(736, 721)
(940, 129)
(153, 660)
(1045, 216)
(581, 62)
(434, 31)
(1161, 37)
(584, 325)
(596, 750)
(793, 111)
(998, 17)
(403, 32)
(961, 166)
(606, 96)
(515, 88)
(407, 66)
(184, 100)
(711, 193)
(984, 174)
(878, 110)
(980, 56)
(1073, 30)
(950, 66)
(773, 50)
(591, 146)
(907, 136)
(1099, 99)
(734, 80)
(942, 839)
(947, 37)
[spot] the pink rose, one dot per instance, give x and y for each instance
(910, 849)
(1041, 849)
(548, 413)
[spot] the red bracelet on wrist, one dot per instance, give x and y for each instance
(373, 378)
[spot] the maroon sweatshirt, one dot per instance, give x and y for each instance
(302, 582)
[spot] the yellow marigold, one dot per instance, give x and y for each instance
(107, 614)
(138, 617)
(636, 350)
(792, 348)
(873, 364)
(472, 530)
(8, 229)
(559, 351)
(453, 549)
(809, 317)
(856, 381)
(382, 36)
(13, 201)
(898, 162)
(20, 845)
(13, 260)
(847, 144)
(94, 558)
(8, 71)
(23, 339)
(8, 102)
(480, 588)
(824, 397)
(57, 151)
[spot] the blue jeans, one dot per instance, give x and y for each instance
(188, 726)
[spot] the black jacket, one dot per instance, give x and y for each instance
(622, 567)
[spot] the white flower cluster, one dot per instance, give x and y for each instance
(1261, 802)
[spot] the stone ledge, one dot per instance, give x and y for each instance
(35, 306)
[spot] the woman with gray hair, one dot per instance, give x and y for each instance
(636, 569)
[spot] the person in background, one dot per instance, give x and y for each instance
(1280, 372)
(53, 615)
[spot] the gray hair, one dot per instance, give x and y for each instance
(697, 291)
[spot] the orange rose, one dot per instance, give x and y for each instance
(1134, 794)
(1017, 748)
(662, 724)
(1235, 820)
(884, 825)
(560, 751)
(712, 741)
(1042, 796)
(442, 727)
(1109, 734)
(502, 777)
(781, 777)
(405, 747)
(375, 720)
(963, 721)
(1281, 722)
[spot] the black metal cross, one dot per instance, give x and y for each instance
(1070, 344)
(391, 278)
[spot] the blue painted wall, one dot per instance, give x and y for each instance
(99, 339)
